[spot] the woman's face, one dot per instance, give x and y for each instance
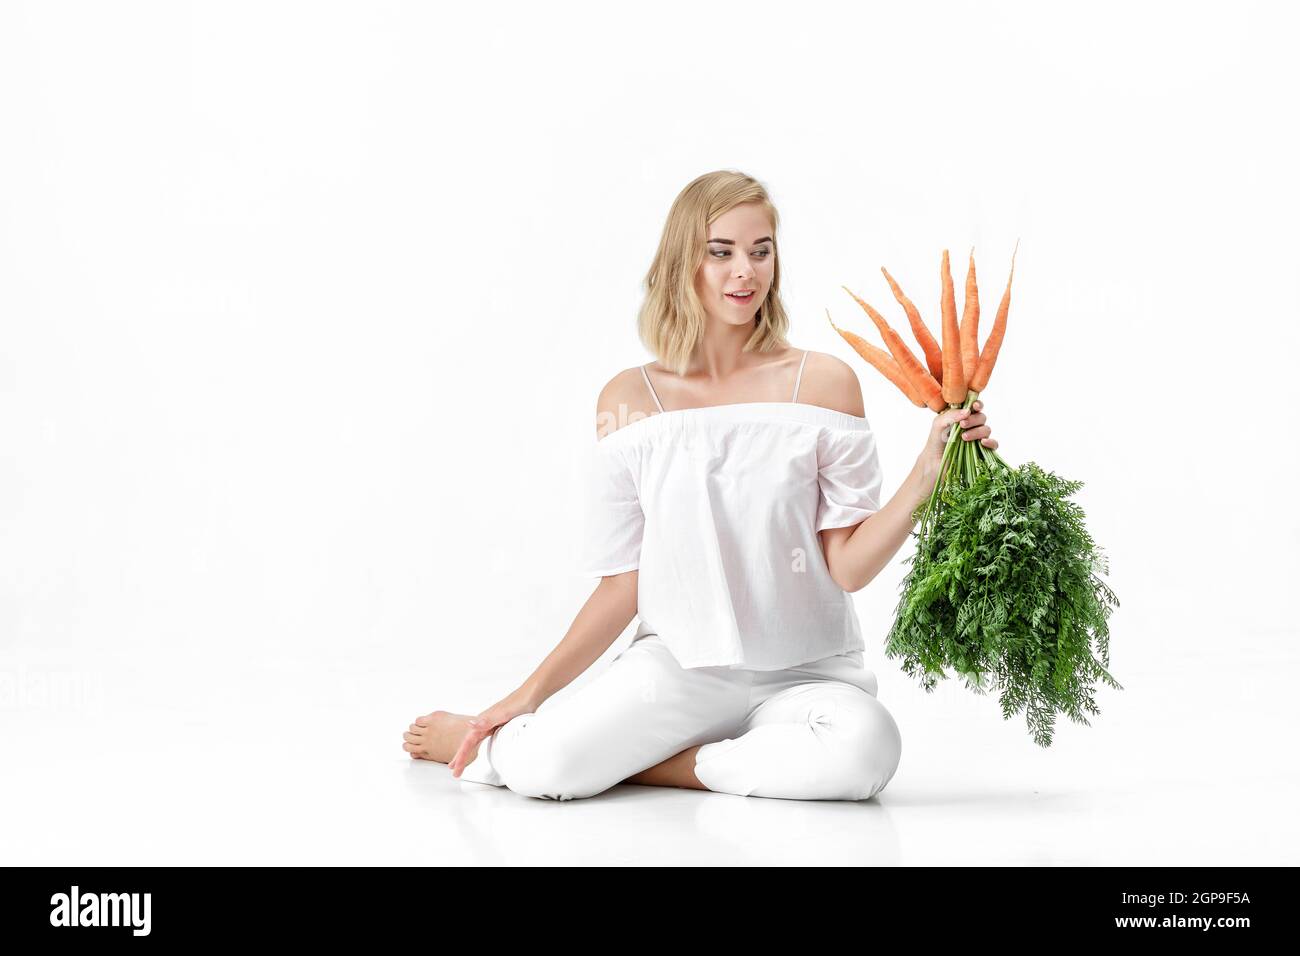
(739, 257)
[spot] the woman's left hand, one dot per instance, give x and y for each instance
(974, 427)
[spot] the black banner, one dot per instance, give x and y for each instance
(1223, 906)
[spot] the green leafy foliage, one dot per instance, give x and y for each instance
(1004, 589)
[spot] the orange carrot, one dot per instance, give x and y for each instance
(989, 354)
(916, 373)
(954, 379)
(970, 323)
(933, 354)
(876, 317)
(880, 359)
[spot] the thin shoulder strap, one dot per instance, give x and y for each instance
(799, 377)
(651, 387)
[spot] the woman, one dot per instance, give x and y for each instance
(729, 511)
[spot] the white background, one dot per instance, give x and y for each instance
(305, 308)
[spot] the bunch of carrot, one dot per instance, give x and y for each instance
(954, 374)
(1003, 581)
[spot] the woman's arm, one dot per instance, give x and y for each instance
(857, 553)
(602, 619)
(613, 604)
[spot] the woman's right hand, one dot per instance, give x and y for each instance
(485, 723)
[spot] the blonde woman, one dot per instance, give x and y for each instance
(734, 505)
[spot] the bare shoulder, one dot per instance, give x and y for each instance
(831, 382)
(622, 399)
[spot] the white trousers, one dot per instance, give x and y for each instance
(813, 732)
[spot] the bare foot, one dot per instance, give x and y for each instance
(437, 736)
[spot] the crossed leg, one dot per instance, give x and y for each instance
(644, 710)
(818, 740)
(648, 721)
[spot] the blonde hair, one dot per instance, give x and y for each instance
(671, 320)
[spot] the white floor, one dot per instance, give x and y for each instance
(195, 761)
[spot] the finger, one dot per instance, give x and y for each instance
(461, 751)
(989, 443)
(981, 432)
(979, 418)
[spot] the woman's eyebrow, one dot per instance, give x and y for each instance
(731, 242)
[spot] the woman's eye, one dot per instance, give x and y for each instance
(722, 252)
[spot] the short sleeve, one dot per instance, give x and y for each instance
(613, 522)
(848, 473)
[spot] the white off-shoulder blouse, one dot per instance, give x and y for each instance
(719, 509)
